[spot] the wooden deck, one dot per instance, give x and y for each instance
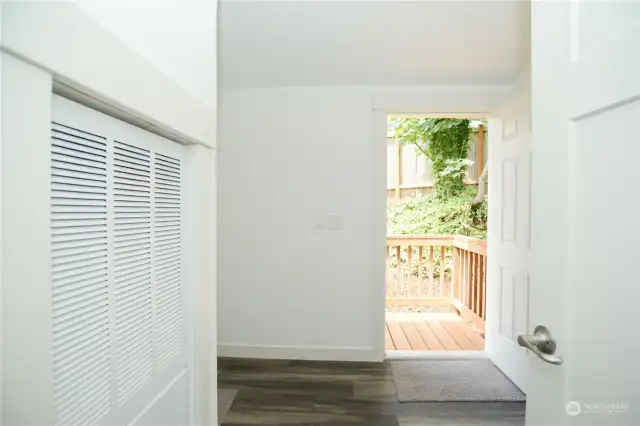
(430, 332)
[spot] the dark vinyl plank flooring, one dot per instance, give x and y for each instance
(310, 393)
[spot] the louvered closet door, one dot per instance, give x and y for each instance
(79, 240)
(117, 268)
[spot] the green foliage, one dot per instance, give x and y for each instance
(445, 141)
(456, 168)
(439, 215)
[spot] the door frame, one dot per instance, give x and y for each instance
(426, 108)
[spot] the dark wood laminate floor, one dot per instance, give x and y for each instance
(292, 393)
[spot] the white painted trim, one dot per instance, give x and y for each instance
(433, 355)
(94, 103)
(27, 361)
(1, 216)
(443, 101)
(312, 353)
(382, 107)
(470, 115)
(379, 229)
(200, 260)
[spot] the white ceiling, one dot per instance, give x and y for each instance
(269, 43)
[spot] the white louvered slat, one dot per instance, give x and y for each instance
(168, 260)
(132, 267)
(79, 275)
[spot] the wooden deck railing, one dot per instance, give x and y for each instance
(438, 270)
(469, 277)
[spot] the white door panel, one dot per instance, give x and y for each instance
(509, 232)
(586, 95)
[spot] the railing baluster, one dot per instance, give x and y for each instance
(470, 278)
(475, 281)
(442, 265)
(454, 291)
(398, 271)
(461, 278)
(431, 271)
(420, 292)
(466, 278)
(470, 304)
(484, 289)
(409, 270)
(479, 300)
(388, 283)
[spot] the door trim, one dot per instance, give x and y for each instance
(424, 107)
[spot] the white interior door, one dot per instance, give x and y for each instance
(509, 231)
(585, 107)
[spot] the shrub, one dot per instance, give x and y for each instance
(439, 215)
(445, 141)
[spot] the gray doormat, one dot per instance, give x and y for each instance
(225, 399)
(452, 380)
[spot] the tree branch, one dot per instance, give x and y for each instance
(417, 145)
(482, 184)
(467, 226)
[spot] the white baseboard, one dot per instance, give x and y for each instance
(300, 353)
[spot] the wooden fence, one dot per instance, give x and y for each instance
(409, 173)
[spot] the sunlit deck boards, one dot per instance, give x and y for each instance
(425, 331)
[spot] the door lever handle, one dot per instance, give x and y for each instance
(542, 344)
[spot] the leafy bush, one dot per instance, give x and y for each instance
(445, 141)
(439, 215)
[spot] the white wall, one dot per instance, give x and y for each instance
(178, 37)
(286, 289)
(71, 48)
(87, 56)
(371, 43)
(1, 201)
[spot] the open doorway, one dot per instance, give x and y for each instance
(436, 234)
(436, 262)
